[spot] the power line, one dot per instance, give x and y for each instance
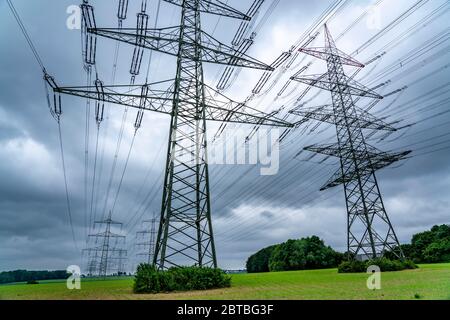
(25, 34)
(69, 211)
(40, 63)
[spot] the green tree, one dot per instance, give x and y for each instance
(24, 275)
(259, 262)
(306, 253)
(437, 251)
(431, 246)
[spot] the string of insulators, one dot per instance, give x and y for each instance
(136, 62)
(89, 39)
(56, 111)
(100, 103)
(122, 10)
(141, 31)
(142, 106)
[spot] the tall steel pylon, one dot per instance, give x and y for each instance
(185, 234)
(145, 240)
(107, 254)
(369, 230)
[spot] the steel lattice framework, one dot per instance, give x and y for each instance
(370, 232)
(107, 255)
(145, 240)
(185, 234)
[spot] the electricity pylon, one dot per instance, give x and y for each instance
(107, 255)
(185, 233)
(369, 230)
(145, 240)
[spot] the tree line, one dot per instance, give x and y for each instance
(25, 275)
(302, 254)
(431, 246)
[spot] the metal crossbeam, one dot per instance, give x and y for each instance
(374, 160)
(323, 53)
(332, 84)
(213, 7)
(166, 40)
(217, 106)
(325, 113)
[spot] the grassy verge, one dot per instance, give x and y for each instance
(427, 282)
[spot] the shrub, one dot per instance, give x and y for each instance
(352, 266)
(409, 264)
(32, 282)
(385, 264)
(194, 278)
(150, 280)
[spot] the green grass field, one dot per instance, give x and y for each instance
(428, 282)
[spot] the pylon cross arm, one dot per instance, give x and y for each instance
(373, 161)
(166, 40)
(213, 7)
(325, 113)
(157, 100)
(109, 234)
(108, 221)
(221, 108)
(324, 53)
(372, 153)
(217, 108)
(97, 249)
(323, 82)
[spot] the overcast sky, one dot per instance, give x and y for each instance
(250, 211)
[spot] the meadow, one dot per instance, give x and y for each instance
(428, 282)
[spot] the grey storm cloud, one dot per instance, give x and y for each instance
(249, 210)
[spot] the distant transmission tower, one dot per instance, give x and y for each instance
(185, 234)
(107, 255)
(145, 241)
(370, 232)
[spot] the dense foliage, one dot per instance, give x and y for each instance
(431, 246)
(306, 253)
(25, 275)
(384, 264)
(259, 262)
(150, 280)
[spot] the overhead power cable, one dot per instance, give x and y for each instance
(41, 65)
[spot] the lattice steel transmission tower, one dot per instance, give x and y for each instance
(370, 232)
(107, 255)
(185, 234)
(145, 241)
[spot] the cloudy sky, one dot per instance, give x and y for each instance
(250, 211)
